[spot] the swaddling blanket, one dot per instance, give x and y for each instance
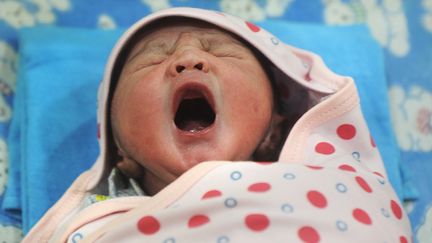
(256, 202)
(328, 185)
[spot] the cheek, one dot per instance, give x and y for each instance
(139, 105)
(253, 110)
(249, 100)
(249, 91)
(250, 119)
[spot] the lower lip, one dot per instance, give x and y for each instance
(196, 134)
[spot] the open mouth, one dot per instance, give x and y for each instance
(194, 113)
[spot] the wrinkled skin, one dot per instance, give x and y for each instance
(187, 59)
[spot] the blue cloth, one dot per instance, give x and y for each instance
(53, 134)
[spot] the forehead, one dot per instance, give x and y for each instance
(199, 28)
(169, 26)
(167, 30)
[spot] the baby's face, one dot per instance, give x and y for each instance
(187, 94)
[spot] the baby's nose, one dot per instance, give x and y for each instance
(180, 66)
(188, 59)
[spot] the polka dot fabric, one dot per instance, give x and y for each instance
(281, 202)
(347, 135)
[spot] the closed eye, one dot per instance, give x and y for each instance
(150, 61)
(227, 54)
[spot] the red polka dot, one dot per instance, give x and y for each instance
(308, 234)
(314, 167)
(346, 131)
(259, 187)
(372, 141)
(363, 184)
(317, 199)
(212, 193)
(198, 220)
(324, 148)
(252, 27)
(396, 209)
(378, 174)
(257, 222)
(148, 225)
(361, 216)
(403, 239)
(347, 168)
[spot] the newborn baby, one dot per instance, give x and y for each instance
(186, 93)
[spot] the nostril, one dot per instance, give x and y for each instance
(199, 66)
(180, 68)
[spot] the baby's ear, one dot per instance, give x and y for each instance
(271, 146)
(128, 166)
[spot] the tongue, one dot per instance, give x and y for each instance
(193, 125)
